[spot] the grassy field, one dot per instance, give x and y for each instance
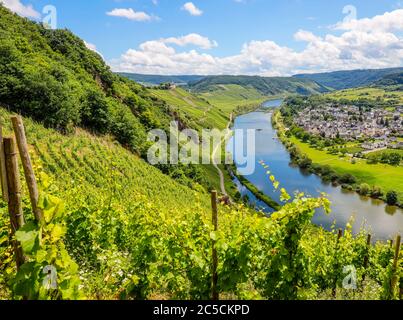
(228, 97)
(368, 93)
(197, 110)
(385, 176)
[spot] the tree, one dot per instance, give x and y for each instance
(348, 179)
(96, 115)
(391, 198)
(394, 158)
(305, 163)
(376, 192)
(364, 189)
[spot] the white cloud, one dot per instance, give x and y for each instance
(390, 21)
(130, 14)
(192, 39)
(368, 43)
(192, 9)
(21, 9)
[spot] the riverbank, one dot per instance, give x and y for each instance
(374, 181)
(271, 203)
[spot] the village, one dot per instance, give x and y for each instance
(376, 128)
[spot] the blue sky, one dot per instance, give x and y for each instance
(229, 26)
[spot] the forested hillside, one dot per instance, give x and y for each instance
(349, 79)
(395, 79)
(51, 76)
(265, 86)
(159, 79)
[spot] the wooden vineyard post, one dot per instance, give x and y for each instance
(366, 257)
(27, 165)
(395, 265)
(14, 195)
(3, 170)
(215, 295)
(339, 235)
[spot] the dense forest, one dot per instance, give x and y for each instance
(266, 86)
(339, 80)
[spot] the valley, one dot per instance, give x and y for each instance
(116, 226)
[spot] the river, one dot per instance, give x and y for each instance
(383, 221)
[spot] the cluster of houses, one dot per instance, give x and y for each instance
(377, 125)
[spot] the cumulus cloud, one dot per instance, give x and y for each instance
(21, 9)
(130, 14)
(192, 39)
(192, 9)
(365, 43)
(390, 21)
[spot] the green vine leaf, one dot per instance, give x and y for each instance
(28, 236)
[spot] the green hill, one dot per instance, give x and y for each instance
(231, 96)
(51, 76)
(349, 79)
(265, 86)
(395, 79)
(147, 79)
(196, 111)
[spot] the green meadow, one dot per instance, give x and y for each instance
(228, 97)
(385, 176)
(197, 110)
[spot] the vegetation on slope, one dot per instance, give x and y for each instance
(51, 76)
(369, 96)
(155, 80)
(265, 86)
(339, 80)
(194, 110)
(395, 79)
(137, 238)
(229, 97)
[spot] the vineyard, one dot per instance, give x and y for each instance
(84, 216)
(116, 228)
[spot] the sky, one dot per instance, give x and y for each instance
(251, 37)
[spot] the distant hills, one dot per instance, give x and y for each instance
(158, 79)
(265, 86)
(395, 79)
(301, 83)
(340, 80)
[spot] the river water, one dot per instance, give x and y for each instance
(382, 220)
